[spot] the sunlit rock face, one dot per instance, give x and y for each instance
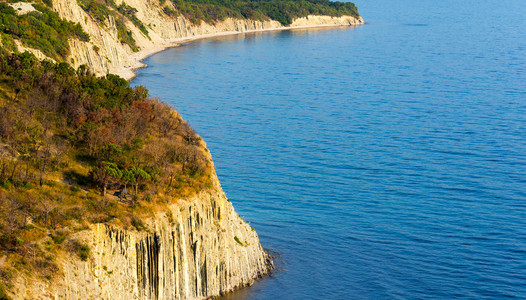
(104, 53)
(200, 248)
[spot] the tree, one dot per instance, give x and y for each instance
(111, 152)
(140, 177)
(127, 177)
(104, 174)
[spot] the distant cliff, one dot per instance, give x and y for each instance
(106, 53)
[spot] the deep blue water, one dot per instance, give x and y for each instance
(382, 161)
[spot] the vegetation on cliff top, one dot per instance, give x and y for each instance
(211, 11)
(284, 11)
(76, 149)
(41, 29)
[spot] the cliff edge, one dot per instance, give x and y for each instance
(106, 193)
(67, 135)
(199, 248)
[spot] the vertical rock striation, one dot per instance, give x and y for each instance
(203, 249)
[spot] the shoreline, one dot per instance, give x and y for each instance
(128, 72)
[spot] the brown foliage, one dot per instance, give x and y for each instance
(59, 130)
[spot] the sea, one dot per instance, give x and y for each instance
(383, 161)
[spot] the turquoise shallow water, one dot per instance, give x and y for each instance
(382, 161)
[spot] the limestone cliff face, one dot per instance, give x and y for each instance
(200, 248)
(105, 54)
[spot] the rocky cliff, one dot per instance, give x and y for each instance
(105, 54)
(76, 233)
(199, 248)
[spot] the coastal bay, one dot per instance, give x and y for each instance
(379, 161)
(227, 28)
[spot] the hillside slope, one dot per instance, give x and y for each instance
(106, 193)
(122, 33)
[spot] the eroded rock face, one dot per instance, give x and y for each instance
(106, 54)
(327, 21)
(202, 249)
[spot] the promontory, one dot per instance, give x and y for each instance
(106, 192)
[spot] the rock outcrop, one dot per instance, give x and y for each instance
(199, 248)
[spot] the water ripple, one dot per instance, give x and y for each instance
(384, 161)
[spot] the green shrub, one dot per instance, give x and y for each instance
(48, 3)
(59, 236)
(3, 292)
(170, 12)
(130, 13)
(137, 223)
(5, 184)
(125, 35)
(84, 252)
(9, 43)
(80, 249)
(99, 10)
